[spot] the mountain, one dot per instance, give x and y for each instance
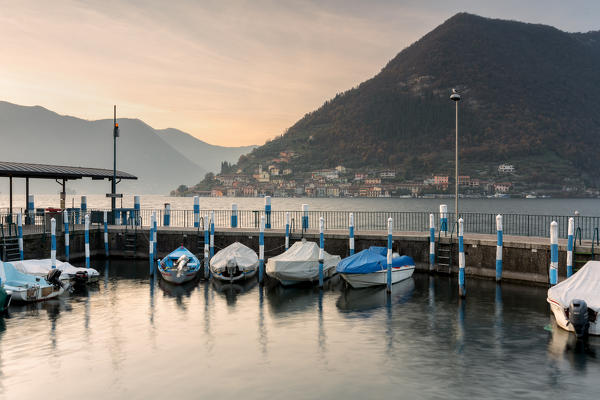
(208, 155)
(529, 97)
(35, 134)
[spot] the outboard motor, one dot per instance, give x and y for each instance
(232, 268)
(578, 317)
(53, 277)
(81, 277)
(181, 263)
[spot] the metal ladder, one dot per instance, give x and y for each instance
(200, 238)
(10, 243)
(581, 257)
(130, 239)
(444, 254)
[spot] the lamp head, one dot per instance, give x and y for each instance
(455, 96)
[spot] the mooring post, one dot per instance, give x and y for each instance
(234, 215)
(321, 250)
(196, 211)
(553, 253)
(206, 247)
(462, 291)
(261, 249)
(150, 243)
(53, 242)
(31, 209)
(20, 232)
(212, 234)
(444, 218)
(83, 206)
(570, 247)
(137, 208)
(390, 223)
(431, 242)
(87, 240)
(66, 225)
(304, 217)
(167, 215)
(106, 233)
(351, 233)
(499, 245)
(287, 230)
(267, 212)
(155, 241)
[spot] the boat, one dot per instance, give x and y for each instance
(75, 275)
(300, 263)
(179, 266)
(575, 302)
(29, 288)
(369, 267)
(531, 196)
(5, 299)
(234, 262)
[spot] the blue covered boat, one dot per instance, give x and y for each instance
(179, 266)
(369, 267)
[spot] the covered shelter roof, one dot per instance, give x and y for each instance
(46, 171)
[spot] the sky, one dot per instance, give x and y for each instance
(228, 72)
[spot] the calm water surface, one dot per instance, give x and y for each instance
(130, 338)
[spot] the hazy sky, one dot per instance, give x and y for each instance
(228, 72)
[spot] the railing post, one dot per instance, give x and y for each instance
(206, 246)
(150, 243)
(196, 211)
(390, 224)
(234, 215)
(444, 218)
(136, 210)
(499, 244)
(31, 209)
(167, 215)
(287, 230)
(83, 206)
(66, 225)
(261, 249)
(570, 247)
(20, 232)
(87, 240)
(461, 260)
(53, 242)
(212, 234)
(155, 242)
(267, 212)
(105, 217)
(553, 253)
(304, 217)
(351, 232)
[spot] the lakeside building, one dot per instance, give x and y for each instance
(506, 168)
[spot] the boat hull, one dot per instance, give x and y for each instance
(27, 295)
(171, 276)
(378, 278)
(563, 322)
(243, 276)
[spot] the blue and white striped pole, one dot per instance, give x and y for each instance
(431, 242)
(196, 211)
(150, 244)
(31, 209)
(167, 215)
(321, 250)
(234, 215)
(287, 230)
(206, 247)
(351, 233)
(20, 232)
(261, 249)
(106, 233)
(570, 247)
(66, 225)
(304, 217)
(444, 218)
(390, 223)
(268, 212)
(155, 241)
(53, 242)
(87, 240)
(499, 245)
(553, 253)
(83, 206)
(212, 234)
(461, 259)
(137, 208)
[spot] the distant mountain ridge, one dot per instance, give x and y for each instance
(35, 134)
(529, 97)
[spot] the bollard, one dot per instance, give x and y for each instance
(499, 245)
(20, 232)
(212, 234)
(87, 240)
(553, 253)
(351, 233)
(106, 233)
(83, 206)
(321, 250)
(570, 248)
(267, 212)
(287, 230)
(167, 215)
(31, 209)
(431, 242)
(234, 215)
(389, 255)
(206, 246)
(196, 211)
(136, 210)
(155, 242)
(444, 218)
(150, 244)
(261, 249)
(53, 242)
(66, 225)
(304, 217)
(461, 260)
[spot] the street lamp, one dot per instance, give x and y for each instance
(456, 98)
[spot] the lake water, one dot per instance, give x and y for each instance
(130, 337)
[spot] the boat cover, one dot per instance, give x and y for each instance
(42, 267)
(244, 257)
(300, 262)
(371, 260)
(12, 277)
(583, 285)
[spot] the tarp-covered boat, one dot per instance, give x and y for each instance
(575, 301)
(70, 272)
(179, 266)
(234, 262)
(301, 263)
(369, 267)
(27, 288)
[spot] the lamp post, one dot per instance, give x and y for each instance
(113, 198)
(456, 98)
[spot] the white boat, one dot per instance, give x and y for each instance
(179, 266)
(531, 196)
(300, 263)
(69, 271)
(575, 302)
(234, 262)
(29, 288)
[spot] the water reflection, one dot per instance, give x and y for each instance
(564, 345)
(262, 331)
(374, 297)
(232, 290)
